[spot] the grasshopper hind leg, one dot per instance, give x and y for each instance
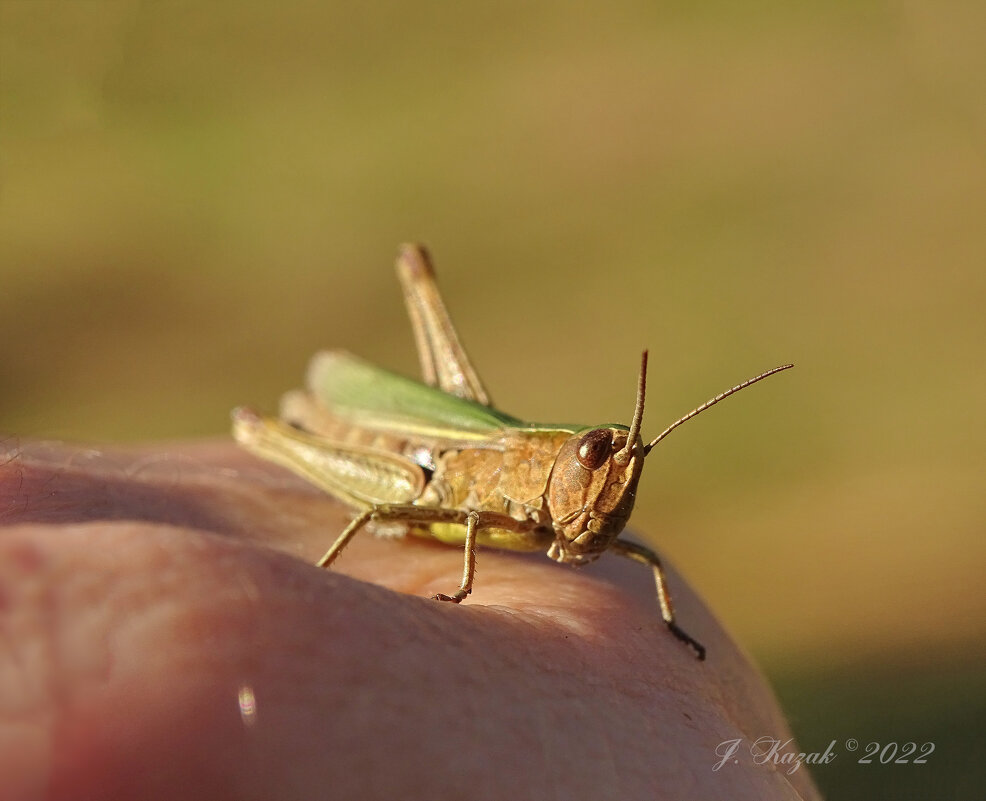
(444, 361)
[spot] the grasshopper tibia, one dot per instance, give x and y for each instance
(409, 513)
(646, 556)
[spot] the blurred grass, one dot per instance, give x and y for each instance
(195, 198)
(919, 701)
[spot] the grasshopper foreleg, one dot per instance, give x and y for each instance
(646, 556)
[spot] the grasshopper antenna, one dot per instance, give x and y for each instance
(623, 455)
(707, 404)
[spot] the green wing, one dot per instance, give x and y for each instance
(355, 390)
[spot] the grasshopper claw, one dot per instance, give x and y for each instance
(456, 598)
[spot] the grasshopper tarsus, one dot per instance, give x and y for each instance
(688, 640)
(455, 598)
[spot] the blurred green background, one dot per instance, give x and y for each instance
(196, 197)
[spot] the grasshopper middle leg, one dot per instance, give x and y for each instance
(469, 568)
(409, 513)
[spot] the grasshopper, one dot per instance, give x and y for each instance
(437, 459)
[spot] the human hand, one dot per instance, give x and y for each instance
(166, 635)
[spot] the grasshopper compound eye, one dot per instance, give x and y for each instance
(594, 449)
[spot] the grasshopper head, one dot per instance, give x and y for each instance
(594, 480)
(593, 485)
(591, 491)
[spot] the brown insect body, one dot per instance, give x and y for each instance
(437, 459)
(563, 487)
